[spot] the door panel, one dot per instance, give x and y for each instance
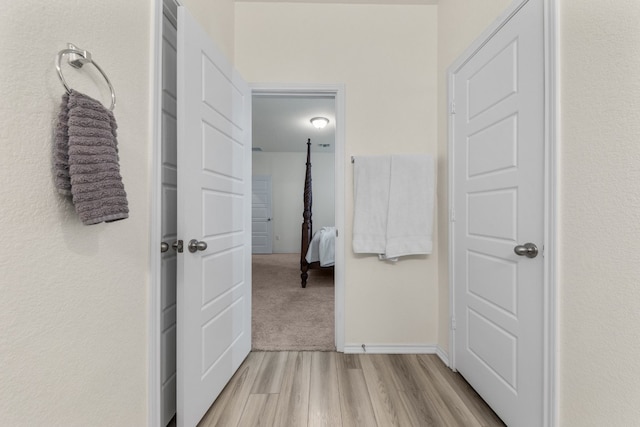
(214, 207)
(169, 222)
(493, 214)
(493, 280)
(493, 149)
(484, 89)
(498, 162)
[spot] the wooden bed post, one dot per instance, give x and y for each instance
(307, 227)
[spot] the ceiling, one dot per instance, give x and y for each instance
(281, 123)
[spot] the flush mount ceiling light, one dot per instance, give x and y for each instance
(319, 122)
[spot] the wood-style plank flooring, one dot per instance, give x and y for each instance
(293, 388)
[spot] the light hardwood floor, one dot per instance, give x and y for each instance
(284, 389)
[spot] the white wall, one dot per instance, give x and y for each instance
(599, 227)
(217, 18)
(73, 317)
(287, 171)
(386, 56)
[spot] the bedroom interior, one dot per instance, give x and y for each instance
(295, 158)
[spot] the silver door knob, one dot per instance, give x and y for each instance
(194, 246)
(529, 250)
(164, 247)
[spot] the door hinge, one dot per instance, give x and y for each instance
(336, 232)
(453, 323)
(452, 215)
(452, 107)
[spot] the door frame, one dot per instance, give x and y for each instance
(551, 132)
(338, 92)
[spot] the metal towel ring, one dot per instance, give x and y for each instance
(77, 58)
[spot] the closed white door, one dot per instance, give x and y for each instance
(498, 162)
(214, 221)
(169, 222)
(261, 225)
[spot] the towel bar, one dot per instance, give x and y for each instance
(77, 58)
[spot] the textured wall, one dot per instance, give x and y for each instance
(386, 56)
(73, 320)
(217, 18)
(599, 227)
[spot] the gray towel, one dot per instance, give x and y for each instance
(86, 159)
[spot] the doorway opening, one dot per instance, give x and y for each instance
(286, 316)
(285, 144)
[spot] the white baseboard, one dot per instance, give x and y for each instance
(399, 349)
(443, 355)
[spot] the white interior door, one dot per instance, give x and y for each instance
(214, 210)
(169, 221)
(498, 162)
(261, 225)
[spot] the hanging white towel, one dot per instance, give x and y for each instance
(371, 201)
(411, 200)
(393, 205)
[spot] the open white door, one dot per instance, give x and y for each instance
(498, 183)
(214, 214)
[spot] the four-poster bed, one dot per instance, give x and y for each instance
(316, 250)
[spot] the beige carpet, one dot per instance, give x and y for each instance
(286, 316)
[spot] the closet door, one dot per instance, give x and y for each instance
(498, 156)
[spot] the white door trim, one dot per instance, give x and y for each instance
(155, 224)
(550, 380)
(337, 90)
(552, 132)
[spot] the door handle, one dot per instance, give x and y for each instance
(164, 247)
(530, 250)
(195, 246)
(177, 246)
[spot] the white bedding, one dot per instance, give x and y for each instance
(322, 247)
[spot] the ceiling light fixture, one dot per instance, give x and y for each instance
(319, 122)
